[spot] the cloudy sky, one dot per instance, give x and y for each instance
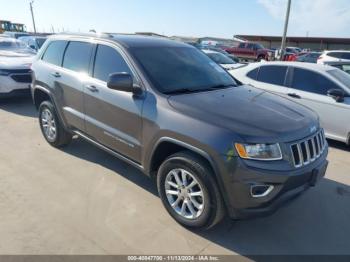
(222, 18)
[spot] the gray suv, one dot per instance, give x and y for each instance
(213, 146)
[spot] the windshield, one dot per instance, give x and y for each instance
(259, 46)
(172, 69)
(12, 45)
(220, 58)
(341, 76)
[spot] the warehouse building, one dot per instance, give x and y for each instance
(314, 43)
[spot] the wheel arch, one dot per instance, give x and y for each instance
(173, 146)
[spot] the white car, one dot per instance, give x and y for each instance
(225, 61)
(323, 88)
(334, 56)
(15, 62)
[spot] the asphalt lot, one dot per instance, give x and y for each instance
(80, 200)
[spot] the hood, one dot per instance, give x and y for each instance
(253, 114)
(16, 62)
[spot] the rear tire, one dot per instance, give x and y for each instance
(189, 192)
(51, 127)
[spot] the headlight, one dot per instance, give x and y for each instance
(259, 151)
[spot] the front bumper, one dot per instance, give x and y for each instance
(241, 178)
(8, 84)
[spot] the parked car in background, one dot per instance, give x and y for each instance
(310, 57)
(223, 60)
(16, 34)
(213, 145)
(15, 61)
(334, 56)
(217, 49)
(34, 42)
(250, 52)
(294, 50)
(323, 88)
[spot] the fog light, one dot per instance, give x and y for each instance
(258, 191)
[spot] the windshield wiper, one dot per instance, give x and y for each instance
(220, 87)
(188, 91)
(183, 91)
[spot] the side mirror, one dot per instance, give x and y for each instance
(337, 94)
(123, 82)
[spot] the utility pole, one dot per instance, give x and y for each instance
(31, 10)
(283, 46)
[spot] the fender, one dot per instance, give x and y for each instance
(48, 92)
(198, 151)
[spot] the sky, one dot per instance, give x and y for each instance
(220, 18)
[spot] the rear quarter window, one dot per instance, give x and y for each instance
(253, 74)
(54, 52)
(335, 54)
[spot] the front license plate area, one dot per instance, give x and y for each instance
(318, 174)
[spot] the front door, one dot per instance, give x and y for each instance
(310, 89)
(112, 117)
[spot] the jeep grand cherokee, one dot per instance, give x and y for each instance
(213, 146)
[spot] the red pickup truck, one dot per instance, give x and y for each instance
(250, 51)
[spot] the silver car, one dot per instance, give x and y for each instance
(323, 88)
(15, 61)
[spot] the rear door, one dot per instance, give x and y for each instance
(113, 117)
(310, 89)
(70, 79)
(272, 78)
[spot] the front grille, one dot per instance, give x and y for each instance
(307, 151)
(22, 78)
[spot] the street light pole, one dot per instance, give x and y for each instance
(283, 46)
(31, 10)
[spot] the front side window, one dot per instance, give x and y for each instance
(77, 56)
(172, 69)
(309, 81)
(342, 76)
(54, 52)
(272, 75)
(108, 61)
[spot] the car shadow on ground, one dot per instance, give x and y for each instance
(19, 106)
(317, 222)
(338, 145)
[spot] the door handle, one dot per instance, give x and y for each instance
(92, 88)
(56, 74)
(294, 96)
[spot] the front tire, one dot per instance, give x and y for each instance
(51, 127)
(189, 192)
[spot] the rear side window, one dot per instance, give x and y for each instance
(77, 56)
(309, 81)
(335, 54)
(253, 74)
(272, 75)
(346, 56)
(108, 61)
(241, 45)
(54, 52)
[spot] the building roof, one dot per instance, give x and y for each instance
(331, 40)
